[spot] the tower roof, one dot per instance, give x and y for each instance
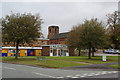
(60, 36)
(53, 26)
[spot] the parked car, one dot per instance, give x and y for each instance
(119, 52)
(112, 51)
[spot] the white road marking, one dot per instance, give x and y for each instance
(68, 76)
(78, 75)
(59, 77)
(97, 74)
(82, 76)
(115, 72)
(9, 68)
(104, 73)
(109, 72)
(74, 77)
(85, 74)
(43, 74)
(90, 75)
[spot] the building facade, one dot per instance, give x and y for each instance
(52, 30)
(55, 37)
(37, 43)
(58, 42)
(54, 45)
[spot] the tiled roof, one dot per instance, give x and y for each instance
(60, 36)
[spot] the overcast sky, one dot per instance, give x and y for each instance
(63, 14)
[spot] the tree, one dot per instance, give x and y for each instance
(73, 39)
(92, 35)
(113, 29)
(0, 33)
(21, 28)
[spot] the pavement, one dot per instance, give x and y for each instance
(24, 71)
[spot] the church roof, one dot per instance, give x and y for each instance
(60, 36)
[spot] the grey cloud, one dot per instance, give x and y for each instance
(64, 14)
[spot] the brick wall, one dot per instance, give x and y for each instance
(45, 51)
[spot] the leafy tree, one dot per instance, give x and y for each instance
(92, 35)
(0, 33)
(113, 29)
(73, 38)
(21, 28)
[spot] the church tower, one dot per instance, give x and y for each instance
(52, 30)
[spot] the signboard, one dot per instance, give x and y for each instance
(104, 58)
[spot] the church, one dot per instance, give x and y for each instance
(55, 37)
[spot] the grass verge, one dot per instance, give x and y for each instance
(60, 62)
(115, 66)
(41, 63)
(94, 60)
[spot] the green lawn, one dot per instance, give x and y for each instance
(0, 58)
(33, 61)
(60, 62)
(94, 60)
(115, 66)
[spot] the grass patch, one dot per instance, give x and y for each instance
(49, 63)
(60, 62)
(94, 60)
(0, 58)
(115, 66)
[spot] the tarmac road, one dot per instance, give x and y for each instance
(23, 71)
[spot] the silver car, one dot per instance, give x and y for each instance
(112, 51)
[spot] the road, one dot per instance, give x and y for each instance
(23, 71)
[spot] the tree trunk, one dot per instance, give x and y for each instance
(16, 55)
(89, 54)
(79, 52)
(93, 52)
(14, 44)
